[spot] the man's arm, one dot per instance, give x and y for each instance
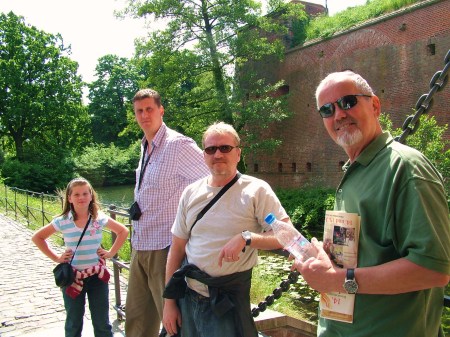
(233, 248)
(394, 277)
(171, 314)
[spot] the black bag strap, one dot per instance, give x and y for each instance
(79, 240)
(217, 197)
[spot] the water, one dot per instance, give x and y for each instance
(121, 196)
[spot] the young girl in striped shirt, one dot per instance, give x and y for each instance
(81, 209)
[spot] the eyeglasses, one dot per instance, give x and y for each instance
(221, 148)
(345, 103)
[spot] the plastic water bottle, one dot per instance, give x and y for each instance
(291, 239)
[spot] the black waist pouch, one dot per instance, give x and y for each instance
(135, 211)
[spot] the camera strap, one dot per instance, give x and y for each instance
(144, 166)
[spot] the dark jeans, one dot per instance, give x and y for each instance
(97, 293)
(198, 320)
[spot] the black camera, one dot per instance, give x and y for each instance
(135, 211)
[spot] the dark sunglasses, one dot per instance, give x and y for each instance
(221, 148)
(345, 103)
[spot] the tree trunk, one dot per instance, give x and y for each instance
(219, 82)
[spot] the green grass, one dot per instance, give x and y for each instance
(325, 26)
(300, 301)
(35, 209)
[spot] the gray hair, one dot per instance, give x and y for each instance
(221, 128)
(346, 75)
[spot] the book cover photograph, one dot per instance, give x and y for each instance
(340, 241)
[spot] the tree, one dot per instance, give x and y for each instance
(40, 91)
(195, 58)
(117, 82)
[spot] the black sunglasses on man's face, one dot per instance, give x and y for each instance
(221, 148)
(345, 102)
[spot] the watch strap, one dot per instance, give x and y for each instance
(350, 284)
(350, 274)
(248, 241)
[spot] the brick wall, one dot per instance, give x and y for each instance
(398, 54)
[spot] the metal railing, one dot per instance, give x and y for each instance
(118, 265)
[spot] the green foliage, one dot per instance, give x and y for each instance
(446, 314)
(306, 208)
(325, 26)
(124, 252)
(299, 31)
(107, 166)
(116, 84)
(41, 91)
(41, 176)
(429, 140)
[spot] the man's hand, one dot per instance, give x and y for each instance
(318, 272)
(230, 252)
(171, 316)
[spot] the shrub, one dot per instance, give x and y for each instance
(45, 176)
(306, 208)
(108, 166)
(428, 139)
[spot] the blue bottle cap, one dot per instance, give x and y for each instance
(270, 218)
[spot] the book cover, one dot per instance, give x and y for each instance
(340, 241)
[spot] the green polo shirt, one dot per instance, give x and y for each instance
(404, 214)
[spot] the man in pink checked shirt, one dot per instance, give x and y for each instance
(169, 162)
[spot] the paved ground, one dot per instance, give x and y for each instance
(31, 304)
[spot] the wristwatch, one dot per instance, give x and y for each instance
(350, 284)
(247, 236)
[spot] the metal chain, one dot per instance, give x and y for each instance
(423, 105)
(276, 294)
(410, 126)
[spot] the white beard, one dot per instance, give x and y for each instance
(349, 139)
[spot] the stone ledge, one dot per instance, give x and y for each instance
(276, 324)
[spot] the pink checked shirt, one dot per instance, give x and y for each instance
(175, 162)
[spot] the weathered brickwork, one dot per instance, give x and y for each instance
(398, 54)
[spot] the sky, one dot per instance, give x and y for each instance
(92, 29)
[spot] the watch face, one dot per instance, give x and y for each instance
(351, 286)
(247, 237)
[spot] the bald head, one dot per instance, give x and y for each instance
(345, 76)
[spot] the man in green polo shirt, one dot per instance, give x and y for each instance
(403, 260)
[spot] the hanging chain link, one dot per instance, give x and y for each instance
(410, 126)
(423, 105)
(276, 294)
